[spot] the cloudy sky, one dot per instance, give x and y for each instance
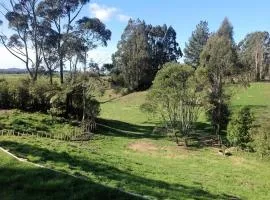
(245, 15)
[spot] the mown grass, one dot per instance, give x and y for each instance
(131, 157)
(257, 97)
(24, 181)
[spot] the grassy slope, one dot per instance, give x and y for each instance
(24, 181)
(257, 96)
(32, 123)
(141, 162)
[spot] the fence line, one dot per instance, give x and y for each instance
(74, 135)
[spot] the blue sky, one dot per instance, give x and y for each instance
(245, 15)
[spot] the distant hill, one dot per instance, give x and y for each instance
(13, 71)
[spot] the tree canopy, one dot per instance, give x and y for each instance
(142, 50)
(219, 58)
(196, 43)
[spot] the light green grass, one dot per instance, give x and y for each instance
(13, 77)
(132, 158)
(257, 96)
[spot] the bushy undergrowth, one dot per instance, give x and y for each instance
(71, 100)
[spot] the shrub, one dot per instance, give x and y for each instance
(261, 140)
(19, 93)
(239, 128)
(4, 94)
(176, 96)
(41, 93)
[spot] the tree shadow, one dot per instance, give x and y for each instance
(252, 107)
(123, 178)
(38, 183)
(202, 136)
(117, 128)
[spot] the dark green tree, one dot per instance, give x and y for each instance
(219, 57)
(163, 47)
(196, 43)
(155, 46)
(239, 128)
(226, 30)
(176, 97)
(133, 55)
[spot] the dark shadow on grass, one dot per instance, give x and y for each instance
(124, 178)
(252, 107)
(203, 136)
(123, 129)
(38, 183)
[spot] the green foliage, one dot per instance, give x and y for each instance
(65, 101)
(261, 140)
(219, 58)
(176, 97)
(196, 43)
(4, 94)
(142, 50)
(77, 98)
(226, 30)
(34, 122)
(239, 128)
(26, 95)
(254, 53)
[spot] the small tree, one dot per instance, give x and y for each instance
(176, 97)
(239, 127)
(261, 141)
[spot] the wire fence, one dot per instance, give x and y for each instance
(77, 134)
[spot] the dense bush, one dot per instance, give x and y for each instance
(176, 96)
(261, 140)
(4, 94)
(68, 100)
(77, 99)
(239, 128)
(25, 95)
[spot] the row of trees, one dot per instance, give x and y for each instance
(252, 51)
(144, 49)
(48, 34)
(72, 100)
(141, 52)
(179, 92)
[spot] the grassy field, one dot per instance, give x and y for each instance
(127, 155)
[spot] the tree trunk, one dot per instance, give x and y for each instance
(61, 70)
(50, 74)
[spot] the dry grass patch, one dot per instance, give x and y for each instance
(161, 150)
(142, 146)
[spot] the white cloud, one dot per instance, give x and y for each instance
(107, 13)
(123, 18)
(102, 12)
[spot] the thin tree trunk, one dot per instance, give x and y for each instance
(61, 70)
(50, 74)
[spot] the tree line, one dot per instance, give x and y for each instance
(181, 92)
(48, 34)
